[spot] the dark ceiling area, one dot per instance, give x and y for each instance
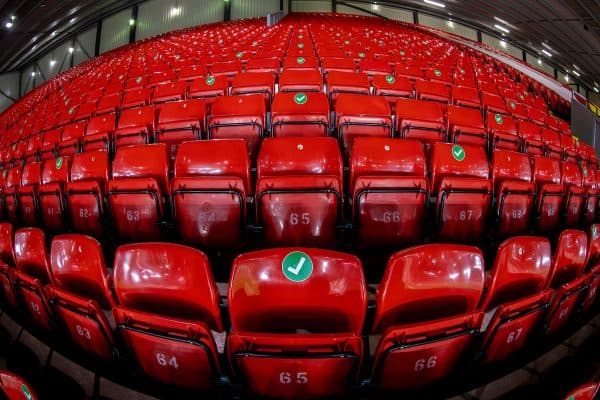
(570, 29)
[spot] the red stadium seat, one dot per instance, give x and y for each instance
(136, 97)
(503, 132)
(389, 191)
(262, 83)
(225, 68)
(7, 264)
(81, 293)
(421, 120)
(270, 65)
(392, 88)
(31, 179)
(14, 387)
(566, 278)
(179, 122)
(98, 134)
(212, 179)
(233, 117)
(168, 305)
(465, 96)
(552, 140)
(300, 81)
(592, 194)
(433, 91)
(592, 269)
(170, 91)
(108, 104)
(531, 135)
(209, 88)
(140, 179)
(515, 295)
(346, 82)
(588, 391)
(51, 194)
(550, 193)
(427, 314)
(575, 193)
(70, 140)
(299, 63)
(50, 144)
(300, 114)
(492, 103)
(439, 74)
(85, 193)
(465, 126)
(136, 126)
(32, 273)
(460, 179)
(299, 333)
(11, 191)
(190, 72)
(357, 115)
(33, 146)
(299, 190)
(514, 191)
(337, 64)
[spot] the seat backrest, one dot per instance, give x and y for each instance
(546, 170)
(455, 160)
(510, 165)
(7, 249)
(51, 137)
(100, 124)
(593, 255)
(569, 258)
(530, 130)
(465, 117)
(167, 279)
(374, 156)
(351, 104)
(32, 174)
(289, 289)
(56, 170)
(299, 156)
(420, 110)
(501, 123)
(143, 161)
(570, 173)
(550, 137)
(78, 267)
(31, 256)
(193, 112)
(91, 165)
(13, 177)
(520, 269)
(137, 117)
(242, 105)
(73, 131)
(218, 157)
(429, 282)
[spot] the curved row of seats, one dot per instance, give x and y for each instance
(13, 387)
(393, 188)
(298, 314)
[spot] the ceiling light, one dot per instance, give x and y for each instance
(596, 90)
(52, 63)
(450, 24)
(8, 25)
(539, 61)
(71, 50)
(547, 53)
(131, 22)
(547, 46)
(375, 7)
(434, 3)
(566, 78)
(174, 12)
(501, 28)
(501, 21)
(577, 74)
(32, 73)
(575, 66)
(53, 33)
(503, 44)
(72, 20)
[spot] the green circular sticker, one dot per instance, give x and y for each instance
(59, 162)
(210, 80)
(499, 119)
(595, 231)
(390, 79)
(138, 79)
(300, 60)
(177, 57)
(71, 110)
(338, 34)
(346, 42)
(402, 53)
(300, 45)
(437, 72)
(458, 152)
(585, 172)
(300, 98)
(255, 43)
(522, 97)
(462, 71)
(220, 41)
(513, 105)
(300, 36)
(239, 54)
(297, 266)
(26, 392)
(428, 53)
(361, 54)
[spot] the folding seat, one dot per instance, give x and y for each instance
(330, 64)
(357, 115)
(488, 87)
(225, 68)
(465, 125)
(550, 193)
(209, 88)
(70, 140)
(262, 83)
(179, 122)
(136, 126)
(460, 179)
(566, 278)
(392, 88)
(85, 192)
(209, 194)
(80, 295)
(517, 110)
(427, 314)
(14, 387)
(575, 193)
(421, 120)
(140, 177)
(309, 338)
(433, 91)
(241, 116)
(32, 273)
(98, 134)
(136, 97)
(300, 114)
(592, 194)
(7, 265)
(465, 96)
(299, 190)
(412, 72)
(569, 146)
(108, 104)
(168, 305)
(161, 77)
(191, 72)
(514, 192)
(588, 391)
(440, 75)
(271, 65)
(33, 146)
(31, 179)
(300, 81)
(375, 68)
(49, 144)
(20, 148)
(346, 82)
(300, 63)
(537, 116)
(10, 193)
(592, 268)
(503, 132)
(552, 140)
(515, 298)
(136, 79)
(531, 136)
(51, 194)
(389, 190)
(492, 103)
(170, 91)
(552, 123)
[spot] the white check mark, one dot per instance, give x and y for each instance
(458, 153)
(296, 270)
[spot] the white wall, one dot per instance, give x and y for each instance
(115, 31)
(27, 80)
(349, 10)
(532, 59)
(447, 26)
(85, 43)
(61, 58)
(496, 43)
(160, 16)
(9, 85)
(396, 14)
(311, 5)
(251, 8)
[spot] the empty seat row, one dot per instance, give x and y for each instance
(298, 314)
